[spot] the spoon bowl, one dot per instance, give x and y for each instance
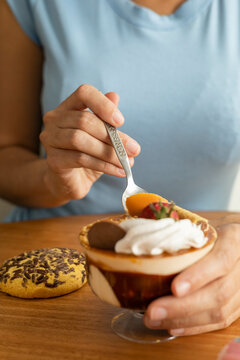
(130, 190)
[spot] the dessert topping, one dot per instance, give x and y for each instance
(151, 237)
(159, 210)
(104, 235)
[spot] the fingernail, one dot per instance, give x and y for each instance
(158, 313)
(154, 323)
(132, 146)
(118, 118)
(182, 288)
(176, 331)
(121, 172)
(131, 161)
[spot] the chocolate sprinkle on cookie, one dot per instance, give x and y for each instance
(43, 273)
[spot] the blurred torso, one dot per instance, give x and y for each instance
(178, 78)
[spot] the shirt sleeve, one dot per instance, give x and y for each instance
(23, 12)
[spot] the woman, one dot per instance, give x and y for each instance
(175, 65)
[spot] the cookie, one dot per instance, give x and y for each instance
(43, 273)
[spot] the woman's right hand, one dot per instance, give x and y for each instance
(77, 145)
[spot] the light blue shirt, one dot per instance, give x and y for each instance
(178, 78)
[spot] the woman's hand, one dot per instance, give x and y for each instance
(206, 295)
(77, 145)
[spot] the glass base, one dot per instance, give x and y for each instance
(129, 325)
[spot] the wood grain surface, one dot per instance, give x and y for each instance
(77, 325)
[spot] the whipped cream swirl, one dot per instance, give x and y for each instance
(153, 237)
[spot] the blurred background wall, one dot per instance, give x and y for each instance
(234, 204)
(5, 208)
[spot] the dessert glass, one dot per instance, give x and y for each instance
(133, 282)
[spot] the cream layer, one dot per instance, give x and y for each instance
(155, 264)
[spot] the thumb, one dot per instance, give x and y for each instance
(114, 97)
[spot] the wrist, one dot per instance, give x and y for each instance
(57, 193)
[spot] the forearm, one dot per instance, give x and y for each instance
(22, 179)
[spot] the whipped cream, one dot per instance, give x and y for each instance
(153, 237)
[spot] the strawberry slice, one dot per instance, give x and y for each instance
(159, 210)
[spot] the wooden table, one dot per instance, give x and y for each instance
(77, 325)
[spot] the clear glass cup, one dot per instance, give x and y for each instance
(133, 282)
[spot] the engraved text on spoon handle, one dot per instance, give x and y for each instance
(119, 148)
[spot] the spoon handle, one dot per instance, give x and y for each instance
(120, 150)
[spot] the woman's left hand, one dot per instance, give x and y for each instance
(206, 296)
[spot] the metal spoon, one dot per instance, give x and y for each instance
(131, 188)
